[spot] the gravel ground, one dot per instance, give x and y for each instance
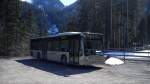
(30, 71)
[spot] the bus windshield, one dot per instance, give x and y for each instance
(93, 44)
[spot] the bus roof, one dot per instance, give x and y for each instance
(67, 34)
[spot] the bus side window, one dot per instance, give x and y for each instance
(63, 49)
(56, 45)
(52, 45)
(37, 45)
(49, 46)
(64, 45)
(77, 46)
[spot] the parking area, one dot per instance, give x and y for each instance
(25, 70)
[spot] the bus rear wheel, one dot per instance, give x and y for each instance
(64, 60)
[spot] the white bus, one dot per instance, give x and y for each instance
(75, 48)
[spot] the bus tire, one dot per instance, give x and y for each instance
(64, 59)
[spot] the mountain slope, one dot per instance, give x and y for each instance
(53, 11)
(72, 9)
(46, 4)
(39, 15)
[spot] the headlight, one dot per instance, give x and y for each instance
(99, 53)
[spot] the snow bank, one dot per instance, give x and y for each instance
(114, 61)
(138, 53)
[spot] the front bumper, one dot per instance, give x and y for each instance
(92, 60)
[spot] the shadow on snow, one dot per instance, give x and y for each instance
(57, 68)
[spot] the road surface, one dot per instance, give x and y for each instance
(25, 70)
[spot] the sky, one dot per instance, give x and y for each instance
(65, 2)
(68, 2)
(29, 1)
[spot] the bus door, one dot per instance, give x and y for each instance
(44, 50)
(74, 51)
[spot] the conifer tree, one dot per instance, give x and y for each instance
(72, 25)
(12, 28)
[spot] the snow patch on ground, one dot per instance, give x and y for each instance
(114, 61)
(137, 53)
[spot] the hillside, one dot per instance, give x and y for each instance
(52, 11)
(46, 4)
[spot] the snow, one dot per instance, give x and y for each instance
(114, 61)
(137, 55)
(53, 30)
(143, 53)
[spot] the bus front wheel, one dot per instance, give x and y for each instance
(64, 59)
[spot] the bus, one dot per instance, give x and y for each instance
(75, 48)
